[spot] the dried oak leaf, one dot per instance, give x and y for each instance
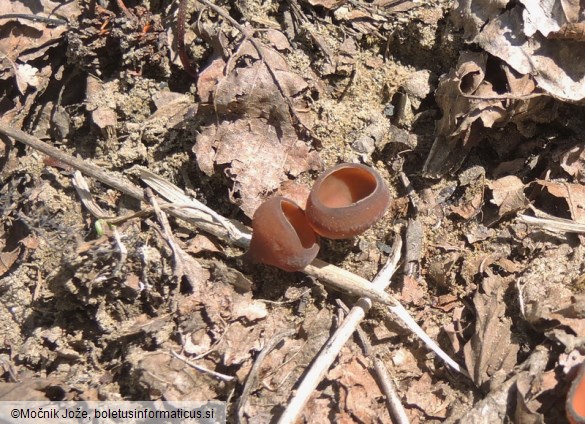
(259, 158)
(491, 353)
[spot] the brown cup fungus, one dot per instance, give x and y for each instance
(346, 200)
(282, 236)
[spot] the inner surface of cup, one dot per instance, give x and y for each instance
(345, 187)
(298, 221)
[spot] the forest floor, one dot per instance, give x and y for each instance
(483, 155)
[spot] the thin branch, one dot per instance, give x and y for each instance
(193, 212)
(333, 346)
(253, 375)
(384, 380)
(199, 368)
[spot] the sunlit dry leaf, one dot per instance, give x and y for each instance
(468, 209)
(535, 393)
(260, 158)
(470, 104)
(7, 259)
(427, 397)
(327, 4)
(27, 390)
(573, 161)
(508, 195)
(160, 374)
(491, 351)
(256, 138)
(359, 392)
(546, 16)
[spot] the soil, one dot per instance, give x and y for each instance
(91, 311)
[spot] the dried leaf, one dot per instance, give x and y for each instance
(491, 353)
(27, 390)
(508, 194)
(423, 394)
(359, 393)
(573, 161)
(260, 157)
(519, 37)
(7, 259)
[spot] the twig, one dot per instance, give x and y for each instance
(384, 380)
(253, 375)
(215, 374)
(115, 181)
(35, 18)
(333, 346)
(86, 198)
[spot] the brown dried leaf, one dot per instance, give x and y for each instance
(256, 138)
(259, 157)
(469, 209)
(423, 394)
(470, 104)
(491, 353)
(508, 195)
(327, 4)
(534, 392)
(573, 161)
(518, 36)
(359, 394)
(7, 259)
(27, 390)
(163, 376)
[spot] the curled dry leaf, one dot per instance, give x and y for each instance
(508, 195)
(572, 194)
(537, 38)
(471, 103)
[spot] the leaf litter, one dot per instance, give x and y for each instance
(502, 296)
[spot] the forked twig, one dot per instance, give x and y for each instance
(333, 346)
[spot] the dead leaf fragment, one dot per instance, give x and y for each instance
(491, 353)
(508, 195)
